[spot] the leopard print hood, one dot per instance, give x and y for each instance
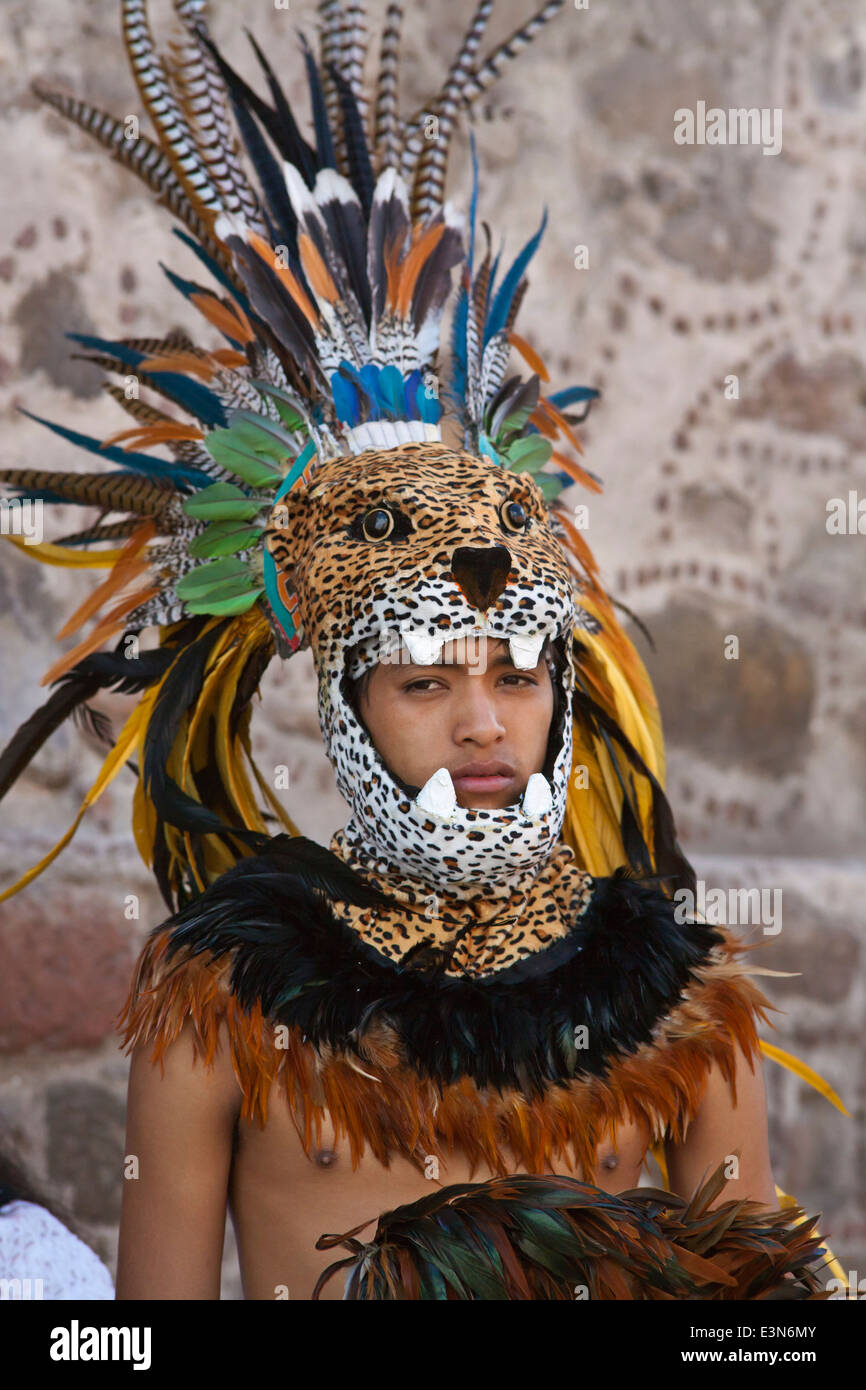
(423, 544)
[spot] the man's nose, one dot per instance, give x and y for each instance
(481, 572)
(476, 714)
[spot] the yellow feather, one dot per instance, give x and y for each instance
(62, 555)
(230, 764)
(274, 801)
(805, 1073)
(123, 748)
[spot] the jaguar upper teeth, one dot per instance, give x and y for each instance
(437, 796)
(525, 650)
(424, 647)
(538, 797)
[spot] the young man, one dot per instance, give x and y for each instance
(488, 722)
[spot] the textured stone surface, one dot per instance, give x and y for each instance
(85, 1130)
(754, 710)
(705, 263)
(65, 963)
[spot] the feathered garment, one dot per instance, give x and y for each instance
(401, 1028)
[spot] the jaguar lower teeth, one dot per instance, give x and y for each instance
(525, 651)
(538, 797)
(424, 648)
(437, 796)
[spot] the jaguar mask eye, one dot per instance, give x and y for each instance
(380, 523)
(513, 516)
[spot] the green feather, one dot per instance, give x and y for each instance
(551, 487)
(528, 455)
(223, 502)
(224, 607)
(223, 538)
(250, 466)
(215, 573)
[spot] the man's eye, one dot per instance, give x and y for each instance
(381, 523)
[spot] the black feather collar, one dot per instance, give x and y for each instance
(567, 1011)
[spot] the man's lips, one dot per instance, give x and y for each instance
(483, 777)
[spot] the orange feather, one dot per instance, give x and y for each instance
(110, 624)
(179, 361)
(152, 434)
(229, 320)
(424, 244)
(529, 355)
(126, 567)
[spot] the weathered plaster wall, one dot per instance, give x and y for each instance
(704, 262)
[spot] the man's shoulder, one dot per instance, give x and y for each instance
(179, 990)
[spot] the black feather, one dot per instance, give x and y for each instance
(346, 226)
(433, 285)
(273, 302)
(180, 690)
(621, 967)
(291, 144)
(100, 671)
(327, 158)
(93, 721)
(357, 150)
(389, 224)
(246, 104)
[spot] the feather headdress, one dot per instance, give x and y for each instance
(330, 264)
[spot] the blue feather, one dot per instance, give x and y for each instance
(345, 399)
(190, 395)
(392, 390)
(215, 269)
(369, 375)
(457, 383)
(505, 294)
(412, 385)
(189, 287)
(430, 407)
(137, 463)
(571, 394)
(473, 205)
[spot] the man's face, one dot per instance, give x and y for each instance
(472, 709)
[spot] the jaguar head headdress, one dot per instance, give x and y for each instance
(310, 498)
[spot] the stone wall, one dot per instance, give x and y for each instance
(705, 263)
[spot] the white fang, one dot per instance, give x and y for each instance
(538, 797)
(424, 649)
(437, 796)
(525, 651)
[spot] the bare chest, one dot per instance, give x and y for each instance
(283, 1199)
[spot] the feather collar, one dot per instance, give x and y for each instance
(597, 992)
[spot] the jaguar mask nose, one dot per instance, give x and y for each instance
(481, 572)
